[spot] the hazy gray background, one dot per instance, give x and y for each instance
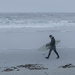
(37, 5)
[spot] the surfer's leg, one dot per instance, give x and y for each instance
(56, 53)
(49, 53)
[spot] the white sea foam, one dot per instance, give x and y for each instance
(19, 20)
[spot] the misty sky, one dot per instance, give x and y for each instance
(37, 5)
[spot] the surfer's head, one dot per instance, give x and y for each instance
(50, 36)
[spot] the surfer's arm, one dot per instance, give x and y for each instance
(52, 42)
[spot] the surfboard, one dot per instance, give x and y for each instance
(44, 47)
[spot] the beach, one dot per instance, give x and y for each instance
(19, 47)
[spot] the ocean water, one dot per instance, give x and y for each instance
(37, 20)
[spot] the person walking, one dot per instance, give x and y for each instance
(52, 47)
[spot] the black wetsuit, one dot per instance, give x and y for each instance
(52, 47)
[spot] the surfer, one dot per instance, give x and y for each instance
(52, 47)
